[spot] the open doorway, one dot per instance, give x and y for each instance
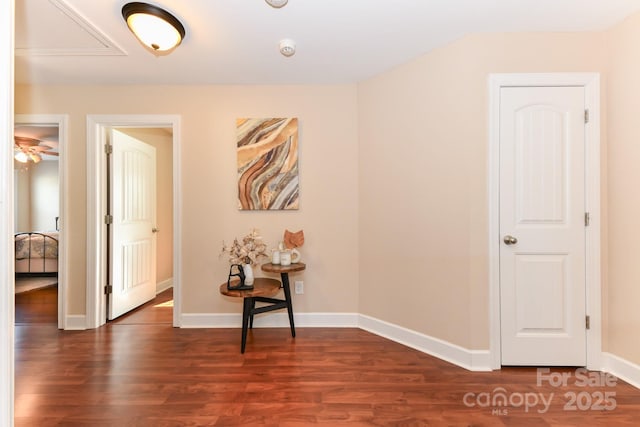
(161, 139)
(39, 201)
(163, 133)
(140, 229)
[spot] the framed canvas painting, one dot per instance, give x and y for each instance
(267, 163)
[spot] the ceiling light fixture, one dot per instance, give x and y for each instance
(277, 3)
(154, 27)
(22, 157)
(30, 149)
(287, 47)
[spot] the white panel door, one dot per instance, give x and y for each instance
(542, 230)
(133, 207)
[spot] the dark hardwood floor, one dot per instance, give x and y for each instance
(140, 371)
(37, 306)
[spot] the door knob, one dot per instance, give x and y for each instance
(155, 230)
(510, 240)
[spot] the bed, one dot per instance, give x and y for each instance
(36, 253)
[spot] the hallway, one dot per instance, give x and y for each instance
(141, 371)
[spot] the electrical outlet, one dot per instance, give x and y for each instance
(299, 287)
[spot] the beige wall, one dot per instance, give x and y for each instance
(423, 178)
(623, 290)
(328, 181)
(162, 140)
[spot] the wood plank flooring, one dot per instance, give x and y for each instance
(37, 305)
(140, 371)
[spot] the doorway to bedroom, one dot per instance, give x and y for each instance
(36, 221)
(103, 217)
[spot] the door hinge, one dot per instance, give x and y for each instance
(587, 322)
(108, 290)
(108, 148)
(587, 219)
(586, 116)
(108, 219)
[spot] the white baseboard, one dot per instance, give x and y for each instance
(621, 368)
(472, 360)
(75, 322)
(164, 285)
(78, 322)
(272, 320)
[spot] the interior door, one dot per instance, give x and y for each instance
(133, 208)
(542, 226)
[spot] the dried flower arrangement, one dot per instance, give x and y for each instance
(246, 252)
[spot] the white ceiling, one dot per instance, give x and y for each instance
(236, 41)
(45, 133)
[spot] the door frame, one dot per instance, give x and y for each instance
(61, 121)
(591, 84)
(97, 126)
(7, 264)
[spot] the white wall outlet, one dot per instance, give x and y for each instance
(299, 287)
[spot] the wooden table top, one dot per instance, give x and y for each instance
(277, 268)
(262, 287)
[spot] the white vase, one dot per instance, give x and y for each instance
(248, 274)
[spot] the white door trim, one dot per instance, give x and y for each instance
(7, 266)
(591, 83)
(97, 126)
(61, 121)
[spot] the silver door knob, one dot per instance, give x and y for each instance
(155, 230)
(510, 240)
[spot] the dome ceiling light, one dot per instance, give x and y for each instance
(156, 28)
(277, 3)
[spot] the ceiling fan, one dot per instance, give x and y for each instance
(31, 149)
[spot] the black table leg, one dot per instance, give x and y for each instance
(246, 313)
(253, 306)
(287, 296)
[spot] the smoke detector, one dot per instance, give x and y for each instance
(287, 47)
(276, 3)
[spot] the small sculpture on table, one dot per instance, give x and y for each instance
(293, 240)
(239, 273)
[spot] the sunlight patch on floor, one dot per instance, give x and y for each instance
(165, 304)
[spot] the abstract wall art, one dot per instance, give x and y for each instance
(267, 163)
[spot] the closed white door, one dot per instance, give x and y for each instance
(133, 208)
(542, 226)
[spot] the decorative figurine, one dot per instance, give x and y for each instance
(241, 285)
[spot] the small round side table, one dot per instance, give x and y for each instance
(262, 289)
